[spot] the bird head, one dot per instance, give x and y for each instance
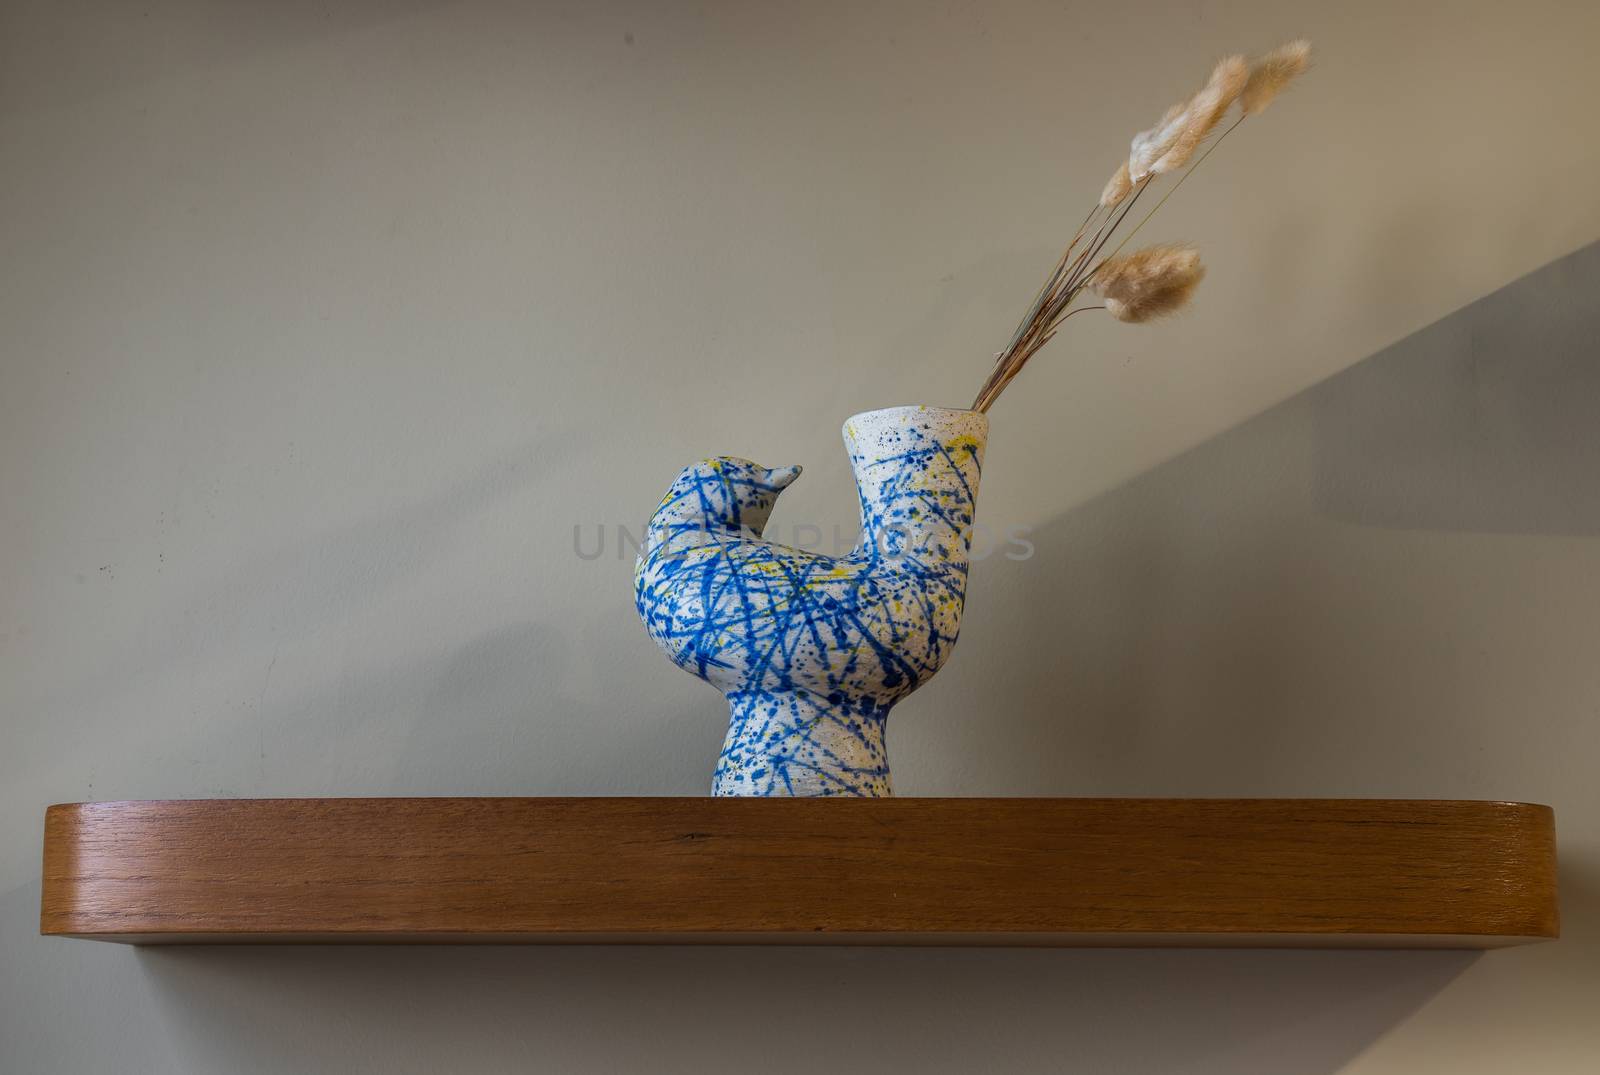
(727, 493)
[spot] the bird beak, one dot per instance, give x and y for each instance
(780, 477)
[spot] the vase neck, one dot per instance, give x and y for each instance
(917, 472)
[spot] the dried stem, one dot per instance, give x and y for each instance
(1050, 306)
(992, 391)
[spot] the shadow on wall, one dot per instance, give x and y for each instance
(1329, 599)
(1485, 421)
(780, 1010)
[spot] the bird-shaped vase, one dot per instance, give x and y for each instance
(813, 651)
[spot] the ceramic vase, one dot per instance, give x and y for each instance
(813, 651)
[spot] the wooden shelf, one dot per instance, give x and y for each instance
(1222, 872)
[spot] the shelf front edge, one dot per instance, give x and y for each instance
(1045, 872)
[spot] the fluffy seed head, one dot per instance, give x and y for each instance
(1204, 111)
(1148, 146)
(1272, 73)
(1148, 283)
(1117, 189)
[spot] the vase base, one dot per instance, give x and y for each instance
(793, 743)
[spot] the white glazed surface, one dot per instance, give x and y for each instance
(813, 651)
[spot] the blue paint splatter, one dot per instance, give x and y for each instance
(813, 651)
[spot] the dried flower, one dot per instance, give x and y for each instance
(1204, 112)
(1148, 146)
(1272, 73)
(1117, 189)
(1148, 283)
(1158, 280)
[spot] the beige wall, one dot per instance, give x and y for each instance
(321, 326)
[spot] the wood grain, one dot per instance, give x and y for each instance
(1296, 872)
